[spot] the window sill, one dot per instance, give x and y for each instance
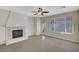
(62, 33)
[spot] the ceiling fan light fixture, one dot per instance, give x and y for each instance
(40, 12)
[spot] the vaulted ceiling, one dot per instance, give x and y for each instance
(52, 9)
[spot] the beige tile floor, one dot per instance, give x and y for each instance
(36, 44)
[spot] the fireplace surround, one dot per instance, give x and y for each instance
(15, 34)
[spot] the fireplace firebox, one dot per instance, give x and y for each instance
(17, 33)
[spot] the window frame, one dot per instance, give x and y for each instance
(65, 25)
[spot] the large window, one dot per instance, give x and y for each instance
(59, 25)
(62, 24)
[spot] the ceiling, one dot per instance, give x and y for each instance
(52, 9)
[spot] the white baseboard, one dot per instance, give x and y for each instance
(63, 39)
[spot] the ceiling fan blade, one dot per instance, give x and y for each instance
(45, 11)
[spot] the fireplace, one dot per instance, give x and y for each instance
(17, 33)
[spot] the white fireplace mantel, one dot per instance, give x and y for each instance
(9, 39)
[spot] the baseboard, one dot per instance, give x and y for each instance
(63, 39)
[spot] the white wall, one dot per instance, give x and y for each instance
(3, 18)
(2, 35)
(29, 23)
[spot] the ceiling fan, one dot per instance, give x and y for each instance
(40, 12)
